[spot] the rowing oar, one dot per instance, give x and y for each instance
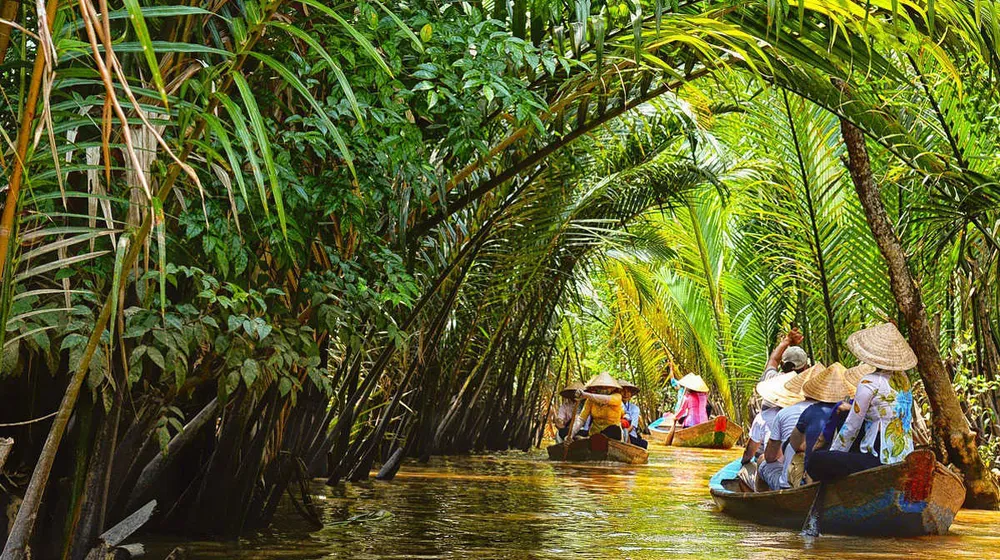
(811, 526)
(670, 436)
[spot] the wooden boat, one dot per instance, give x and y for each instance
(717, 433)
(598, 448)
(917, 496)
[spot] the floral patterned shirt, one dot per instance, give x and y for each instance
(884, 411)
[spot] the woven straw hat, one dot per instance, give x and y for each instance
(603, 380)
(884, 347)
(694, 382)
(774, 390)
(570, 390)
(829, 385)
(795, 385)
(853, 375)
(629, 386)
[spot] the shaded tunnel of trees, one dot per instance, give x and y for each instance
(248, 244)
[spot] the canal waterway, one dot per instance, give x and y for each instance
(517, 505)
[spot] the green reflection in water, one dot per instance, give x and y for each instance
(520, 506)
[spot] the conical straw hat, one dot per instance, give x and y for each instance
(693, 382)
(603, 380)
(631, 387)
(884, 347)
(795, 385)
(773, 390)
(853, 375)
(829, 385)
(571, 389)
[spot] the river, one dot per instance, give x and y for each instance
(519, 506)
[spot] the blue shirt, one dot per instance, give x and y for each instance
(680, 394)
(631, 411)
(812, 421)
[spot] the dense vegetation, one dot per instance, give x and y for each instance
(246, 243)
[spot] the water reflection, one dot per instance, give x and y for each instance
(520, 506)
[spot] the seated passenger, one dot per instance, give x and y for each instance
(631, 414)
(882, 406)
(693, 411)
(774, 394)
(772, 391)
(827, 389)
(567, 409)
(602, 407)
(839, 414)
(777, 455)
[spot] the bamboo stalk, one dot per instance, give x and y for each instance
(8, 11)
(20, 535)
(25, 132)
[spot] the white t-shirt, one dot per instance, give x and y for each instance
(760, 429)
(782, 426)
(768, 374)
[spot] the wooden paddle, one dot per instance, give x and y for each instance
(811, 526)
(670, 436)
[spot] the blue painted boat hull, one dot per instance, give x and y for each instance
(918, 496)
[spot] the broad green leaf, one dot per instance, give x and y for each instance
(157, 357)
(250, 371)
(364, 43)
(257, 122)
(304, 92)
(243, 133)
(345, 86)
(403, 27)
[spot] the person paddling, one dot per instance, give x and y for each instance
(603, 406)
(567, 409)
(694, 411)
(631, 414)
(786, 357)
(883, 405)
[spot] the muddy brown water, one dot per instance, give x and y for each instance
(520, 506)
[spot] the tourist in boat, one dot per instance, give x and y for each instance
(567, 409)
(839, 414)
(786, 357)
(777, 455)
(631, 414)
(602, 406)
(772, 391)
(693, 411)
(883, 406)
(826, 389)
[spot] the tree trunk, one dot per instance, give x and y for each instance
(949, 423)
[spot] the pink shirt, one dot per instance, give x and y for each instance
(694, 407)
